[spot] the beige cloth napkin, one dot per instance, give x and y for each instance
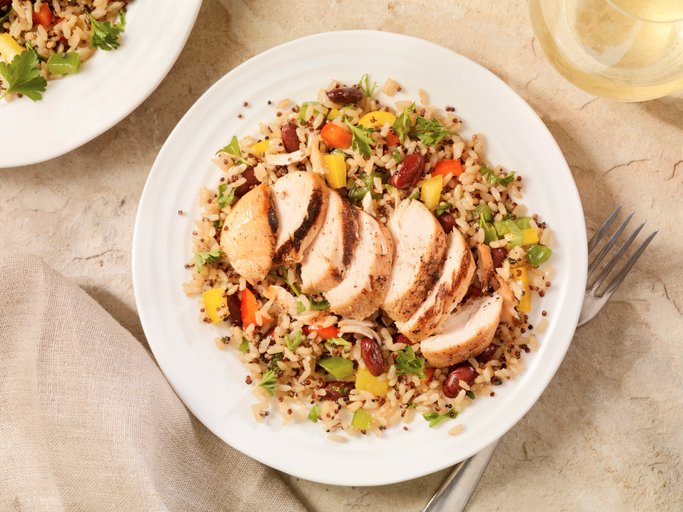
(88, 421)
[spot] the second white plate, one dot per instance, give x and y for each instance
(211, 383)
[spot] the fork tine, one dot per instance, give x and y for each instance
(613, 239)
(612, 262)
(601, 232)
(631, 261)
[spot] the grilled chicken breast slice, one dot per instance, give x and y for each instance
(466, 333)
(420, 250)
(365, 282)
(456, 275)
(249, 234)
(326, 259)
(301, 204)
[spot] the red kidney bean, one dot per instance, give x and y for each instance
(402, 338)
(345, 95)
(447, 222)
(290, 139)
(409, 172)
(487, 354)
(335, 389)
(251, 182)
(451, 386)
(498, 256)
(372, 356)
(235, 309)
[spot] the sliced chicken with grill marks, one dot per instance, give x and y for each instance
(420, 250)
(465, 334)
(326, 259)
(366, 279)
(249, 234)
(486, 270)
(301, 203)
(456, 275)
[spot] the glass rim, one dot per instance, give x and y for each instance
(626, 12)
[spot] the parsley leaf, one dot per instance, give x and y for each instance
(365, 86)
(339, 342)
(442, 208)
(470, 394)
(314, 414)
(233, 148)
(23, 76)
(319, 305)
(397, 156)
(491, 177)
(105, 34)
(294, 340)
(430, 131)
(367, 184)
(202, 258)
(269, 381)
(434, 418)
(414, 194)
(404, 124)
(407, 362)
(244, 346)
(361, 140)
(225, 199)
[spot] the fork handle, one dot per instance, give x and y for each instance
(455, 492)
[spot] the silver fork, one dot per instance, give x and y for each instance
(455, 492)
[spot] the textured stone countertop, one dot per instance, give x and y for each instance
(606, 434)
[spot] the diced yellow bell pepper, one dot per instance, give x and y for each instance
(260, 147)
(362, 420)
(366, 381)
(377, 119)
(430, 193)
(335, 164)
(521, 274)
(333, 114)
(530, 236)
(9, 48)
(213, 301)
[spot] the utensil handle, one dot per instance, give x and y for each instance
(455, 492)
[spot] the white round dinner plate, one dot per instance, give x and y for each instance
(212, 382)
(108, 87)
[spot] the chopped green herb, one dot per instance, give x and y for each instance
(23, 75)
(491, 177)
(407, 363)
(430, 131)
(470, 394)
(225, 196)
(490, 234)
(303, 111)
(367, 184)
(202, 258)
(269, 381)
(294, 340)
(244, 346)
(538, 254)
(404, 124)
(233, 148)
(389, 188)
(442, 208)
(434, 418)
(365, 86)
(414, 194)
(276, 357)
(105, 35)
(319, 305)
(5, 16)
(507, 179)
(337, 342)
(338, 367)
(285, 276)
(361, 140)
(397, 156)
(314, 414)
(300, 308)
(362, 420)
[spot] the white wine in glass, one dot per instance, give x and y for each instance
(630, 50)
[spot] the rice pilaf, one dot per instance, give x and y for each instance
(289, 339)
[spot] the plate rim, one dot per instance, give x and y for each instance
(549, 371)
